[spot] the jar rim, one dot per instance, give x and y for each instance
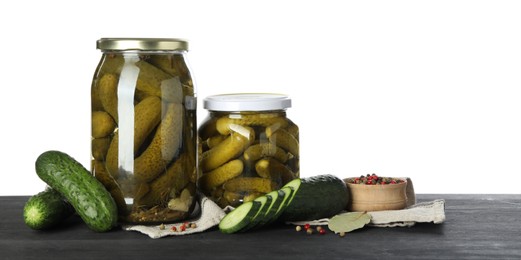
(142, 44)
(234, 102)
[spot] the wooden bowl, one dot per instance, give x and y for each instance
(376, 197)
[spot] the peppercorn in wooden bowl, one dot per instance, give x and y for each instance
(374, 193)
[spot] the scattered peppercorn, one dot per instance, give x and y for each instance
(309, 231)
(298, 228)
(174, 229)
(307, 226)
(342, 234)
(162, 227)
(322, 231)
(193, 225)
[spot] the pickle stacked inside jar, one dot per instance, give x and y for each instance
(246, 155)
(153, 180)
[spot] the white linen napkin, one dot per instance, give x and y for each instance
(210, 216)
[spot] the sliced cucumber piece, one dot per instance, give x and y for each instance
(288, 193)
(277, 198)
(240, 217)
(265, 202)
(294, 185)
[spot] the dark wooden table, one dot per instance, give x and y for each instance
(477, 227)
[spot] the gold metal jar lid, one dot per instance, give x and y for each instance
(142, 44)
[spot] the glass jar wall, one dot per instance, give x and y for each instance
(249, 147)
(144, 128)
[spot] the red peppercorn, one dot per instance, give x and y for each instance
(174, 229)
(322, 231)
(307, 226)
(183, 227)
(369, 181)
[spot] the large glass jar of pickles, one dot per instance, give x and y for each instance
(249, 147)
(144, 128)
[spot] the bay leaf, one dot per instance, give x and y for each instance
(347, 222)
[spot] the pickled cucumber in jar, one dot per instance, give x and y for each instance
(144, 128)
(249, 147)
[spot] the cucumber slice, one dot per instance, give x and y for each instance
(288, 193)
(277, 198)
(265, 202)
(293, 185)
(239, 218)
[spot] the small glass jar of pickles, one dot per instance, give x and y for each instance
(248, 147)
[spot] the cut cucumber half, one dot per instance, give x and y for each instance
(239, 218)
(316, 197)
(265, 202)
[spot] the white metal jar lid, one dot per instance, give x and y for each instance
(247, 102)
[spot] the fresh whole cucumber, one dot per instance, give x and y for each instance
(87, 195)
(46, 209)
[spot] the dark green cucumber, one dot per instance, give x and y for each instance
(265, 202)
(87, 195)
(239, 218)
(316, 197)
(46, 209)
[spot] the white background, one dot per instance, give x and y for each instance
(425, 89)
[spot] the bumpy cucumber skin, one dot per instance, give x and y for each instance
(46, 210)
(320, 196)
(87, 195)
